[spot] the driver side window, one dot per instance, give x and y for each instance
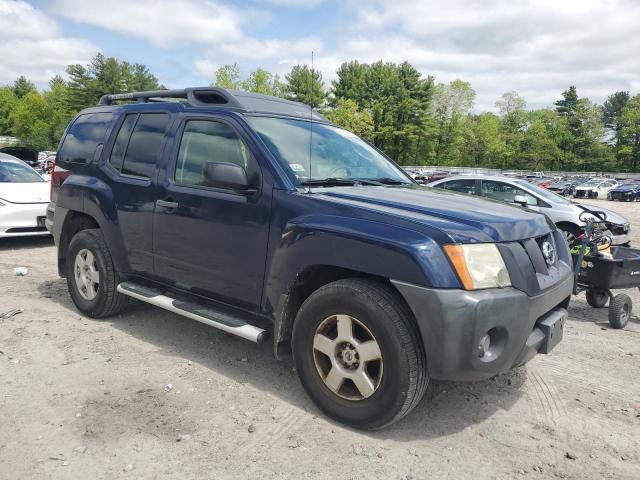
(206, 141)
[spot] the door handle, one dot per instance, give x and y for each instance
(166, 204)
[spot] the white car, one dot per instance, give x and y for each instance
(24, 196)
(595, 188)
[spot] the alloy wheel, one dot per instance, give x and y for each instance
(87, 275)
(347, 357)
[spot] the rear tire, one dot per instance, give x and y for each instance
(365, 311)
(620, 311)
(597, 298)
(92, 279)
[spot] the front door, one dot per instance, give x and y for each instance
(207, 240)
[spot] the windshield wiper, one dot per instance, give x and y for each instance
(389, 181)
(328, 182)
(381, 182)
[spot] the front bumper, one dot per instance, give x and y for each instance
(453, 323)
(585, 193)
(619, 239)
(22, 219)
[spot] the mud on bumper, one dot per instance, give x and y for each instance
(472, 335)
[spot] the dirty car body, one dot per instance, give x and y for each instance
(312, 207)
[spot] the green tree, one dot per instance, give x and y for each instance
(451, 103)
(613, 107)
(105, 75)
(350, 82)
(512, 107)
(346, 114)
(32, 119)
(305, 85)
(228, 76)
(568, 103)
(263, 81)
(484, 144)
(8, 101)
(22, 86)
(630, 133)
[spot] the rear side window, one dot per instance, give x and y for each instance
(84, 136)
(122, 140)
(139, 143)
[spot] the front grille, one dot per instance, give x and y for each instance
(580, 193)
(542, 252)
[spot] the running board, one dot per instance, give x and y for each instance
(208, 316)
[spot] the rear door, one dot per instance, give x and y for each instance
(132, 166)
(207, 240)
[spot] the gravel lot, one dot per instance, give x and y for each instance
(149, 395)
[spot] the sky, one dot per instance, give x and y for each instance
(534, 47)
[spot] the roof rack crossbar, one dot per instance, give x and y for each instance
(193, 96)
(218, 97)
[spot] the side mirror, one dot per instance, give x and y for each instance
(521, 200)
(226, 175)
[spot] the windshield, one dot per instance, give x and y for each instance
(14, 172)
(591, 183)
(335, 153)
(544, 193)
(628, 185)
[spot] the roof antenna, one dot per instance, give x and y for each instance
(310, 122)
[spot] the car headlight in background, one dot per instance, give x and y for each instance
(478, 265)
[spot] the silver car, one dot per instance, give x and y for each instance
(563, 212)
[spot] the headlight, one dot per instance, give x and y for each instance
(478, 265)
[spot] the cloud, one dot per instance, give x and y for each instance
(270, 49)
(33, 45)
(296, 3)
(161, 22)
(537, 48)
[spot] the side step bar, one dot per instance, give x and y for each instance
(208, 316)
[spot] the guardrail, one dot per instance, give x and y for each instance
(493, 171)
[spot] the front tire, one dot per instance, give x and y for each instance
(92, 279)
(359, 354)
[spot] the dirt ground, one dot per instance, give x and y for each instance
(149, 394)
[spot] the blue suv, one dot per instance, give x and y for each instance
(257, 216)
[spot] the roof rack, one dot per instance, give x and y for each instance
(221, 98)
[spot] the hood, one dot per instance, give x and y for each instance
(464, 218)
(584, 187)
(612, 217)
(37, 192)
